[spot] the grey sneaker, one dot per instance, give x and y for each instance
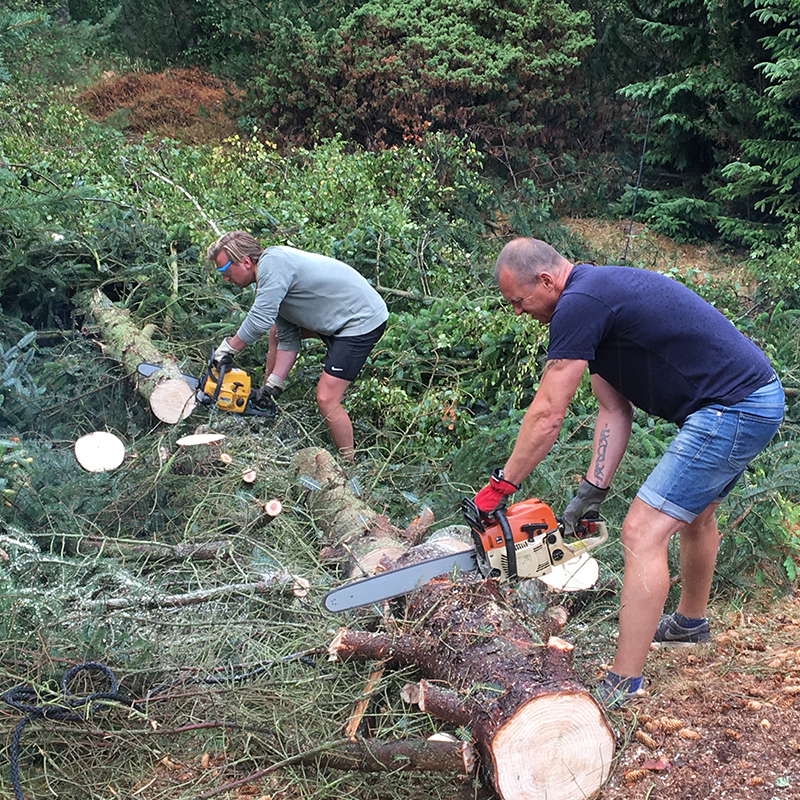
(672, 633)
(614, 691)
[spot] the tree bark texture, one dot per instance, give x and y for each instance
(362, 540)
(539, 732)
(171, 398)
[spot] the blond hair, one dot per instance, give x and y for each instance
(238, 245)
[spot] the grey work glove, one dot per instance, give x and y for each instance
(585, 504)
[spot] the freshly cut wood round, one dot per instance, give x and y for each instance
(200, 438)
(172, 400)
(573, 746)
(580, 573)
(99, 451)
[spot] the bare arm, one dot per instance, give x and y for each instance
(611, 432)
(542, 421)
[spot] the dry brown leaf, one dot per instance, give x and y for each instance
(655, 765)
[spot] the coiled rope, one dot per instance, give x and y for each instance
(63, 708)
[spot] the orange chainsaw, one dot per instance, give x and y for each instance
(524, 541)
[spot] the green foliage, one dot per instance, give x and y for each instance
(392, 71)
(766, 171)
(706, 98)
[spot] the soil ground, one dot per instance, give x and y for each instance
(720, 720)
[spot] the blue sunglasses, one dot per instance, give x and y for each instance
(225, 266)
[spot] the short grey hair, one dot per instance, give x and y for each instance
(526, 258)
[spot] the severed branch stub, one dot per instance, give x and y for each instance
(539, 733)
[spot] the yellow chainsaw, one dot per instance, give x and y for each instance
(225, 386)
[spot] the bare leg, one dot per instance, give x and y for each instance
(272, 353)
(330, 391)
(699, 545)
(645, 536)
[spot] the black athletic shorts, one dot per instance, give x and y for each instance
(346, 355)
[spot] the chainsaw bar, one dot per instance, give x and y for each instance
(396, 582)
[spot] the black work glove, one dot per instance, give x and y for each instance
(585, 504)
(271, 390)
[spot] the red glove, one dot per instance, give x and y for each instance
(493, 496)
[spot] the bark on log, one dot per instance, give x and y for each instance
(358, 537)
(171, 398)
(540, 733)
(373, 755)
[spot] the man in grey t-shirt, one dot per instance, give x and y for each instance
(299, 295)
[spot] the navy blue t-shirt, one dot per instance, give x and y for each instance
(654, 340)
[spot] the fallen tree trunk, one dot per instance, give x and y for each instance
(359, 538)
(171, 398)
(540, 734)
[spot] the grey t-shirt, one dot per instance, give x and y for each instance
(295, 289)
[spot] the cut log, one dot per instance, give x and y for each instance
(540, 734)
(154, 551)
(361, 539)
(129, 345)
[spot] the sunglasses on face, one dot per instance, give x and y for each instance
(225, 266)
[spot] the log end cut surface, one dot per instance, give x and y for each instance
(557, 746)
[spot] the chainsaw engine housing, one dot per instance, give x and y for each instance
(533, 529)
(229, 394)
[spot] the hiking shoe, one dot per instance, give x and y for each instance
(614, 691)
(671, 632)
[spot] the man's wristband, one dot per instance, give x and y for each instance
(502, 484)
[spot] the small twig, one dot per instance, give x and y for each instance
(263, 772)
(210, 222)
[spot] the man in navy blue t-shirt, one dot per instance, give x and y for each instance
(648, 342)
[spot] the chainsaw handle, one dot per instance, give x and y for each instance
(583, 545)
(508, 538)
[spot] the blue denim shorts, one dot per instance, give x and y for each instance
(711, 451)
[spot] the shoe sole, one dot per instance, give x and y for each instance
(679, 644)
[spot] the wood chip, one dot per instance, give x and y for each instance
(200, 438)
(688, 733)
